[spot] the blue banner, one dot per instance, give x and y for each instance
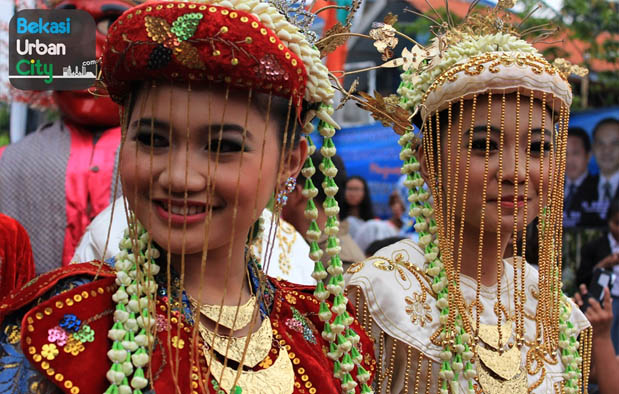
(372, 152)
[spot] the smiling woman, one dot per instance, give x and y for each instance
(223, 132)
(214, 98)
(453, 313)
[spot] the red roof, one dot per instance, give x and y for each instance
(575, 48)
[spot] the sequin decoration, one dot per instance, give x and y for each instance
(299, 324)
(186, 25)
(70, 322)
(85, 334)
(73, 346)
(162, 33)
(12, 334)
(162, 323)
(159, 57)
(270, 69)
(57, 335)
(49, 351)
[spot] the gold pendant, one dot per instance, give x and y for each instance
(489, 334)
(505, 365)
(277, 379)
(492, 385)
(234, 347)
(227, 315)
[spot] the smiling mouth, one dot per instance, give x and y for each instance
(180, 209)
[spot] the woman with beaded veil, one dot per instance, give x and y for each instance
(214, 98)
(451, 313)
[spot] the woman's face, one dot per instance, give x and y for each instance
(506, 171)
(397, 209)
(354, 192)
(172, 174)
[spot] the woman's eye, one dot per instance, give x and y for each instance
(536, 147)
(149, 139)
(225, 146)
(480, 145)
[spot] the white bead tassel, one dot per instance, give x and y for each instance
(128, 349)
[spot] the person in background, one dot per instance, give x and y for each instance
(606, 153)
(293, 212)
(604, 253)
(16, 263)
(376, 230)
(357, 205)
(57, 179)
(601, 318)
(579, 184)
(397, 211)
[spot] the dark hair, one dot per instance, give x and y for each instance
(366, 211)
(604, 122)
(443, 117)
(280, 107)
(382, 243)
(318, 178)
(395, 198)
(582, 134)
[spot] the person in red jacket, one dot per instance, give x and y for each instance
(16, 263)
(57, 179)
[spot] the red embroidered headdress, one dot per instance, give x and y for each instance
(247, 44)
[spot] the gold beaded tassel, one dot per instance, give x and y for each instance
(342, 339)
(519, 263)
(586, 344)
(456, 354)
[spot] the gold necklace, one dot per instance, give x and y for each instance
(276, 379)
(507, 374)
(230, 316)
(234, 347)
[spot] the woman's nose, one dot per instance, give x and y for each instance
(514, 165)
(182, 174)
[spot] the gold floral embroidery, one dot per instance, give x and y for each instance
(398, 264)
(355, 267)
(266, 363)
(178, 342)
(291, 299)
(73, 346)
(49, 351)
(418, 309)
(12, 334)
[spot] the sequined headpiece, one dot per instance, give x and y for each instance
(242, 43)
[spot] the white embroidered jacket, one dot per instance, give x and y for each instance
(396, 304)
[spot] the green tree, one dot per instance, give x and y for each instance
(596, 24)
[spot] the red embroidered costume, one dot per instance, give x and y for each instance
(143, 327)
